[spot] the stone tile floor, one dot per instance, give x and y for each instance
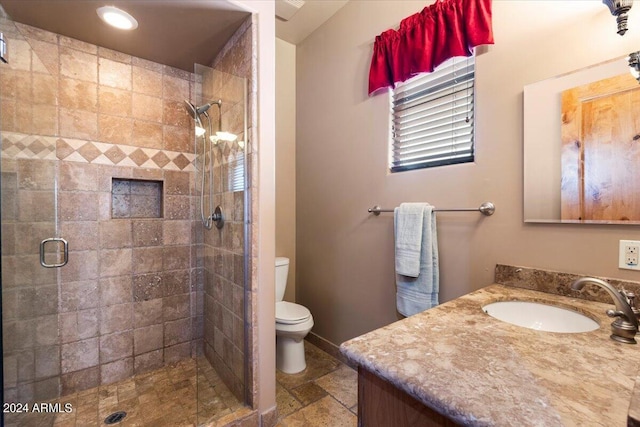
(172, 396)
(324, 394)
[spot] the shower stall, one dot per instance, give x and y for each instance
(121, 302)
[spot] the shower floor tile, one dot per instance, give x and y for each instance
(186, 393)
(324, 394)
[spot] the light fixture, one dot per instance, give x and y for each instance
(634, 65)
(619, 9)
(200, 131)
(226, 136)
(223, 136)
(117, 18)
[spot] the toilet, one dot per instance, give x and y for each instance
(293, 323)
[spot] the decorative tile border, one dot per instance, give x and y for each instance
(22, 146)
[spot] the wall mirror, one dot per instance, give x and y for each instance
(582, 147)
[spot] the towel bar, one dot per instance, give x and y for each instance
(487, 208)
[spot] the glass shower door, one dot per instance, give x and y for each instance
(221, 182)
(30, 340)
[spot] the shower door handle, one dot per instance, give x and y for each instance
(65, 257)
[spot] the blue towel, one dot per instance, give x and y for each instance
(416, 294)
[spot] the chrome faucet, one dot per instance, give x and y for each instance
(625, 327)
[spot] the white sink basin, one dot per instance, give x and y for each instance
(540, 317)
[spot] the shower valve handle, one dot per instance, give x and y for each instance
(217, 217)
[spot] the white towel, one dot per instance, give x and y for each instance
(416, 294)
(408, 230)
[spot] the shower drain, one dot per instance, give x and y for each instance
(116, 417)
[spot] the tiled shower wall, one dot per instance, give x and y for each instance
(125, 303)
(224, 266)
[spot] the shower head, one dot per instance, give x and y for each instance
(196, 111)
(191, 109)
(195, 115)
(203, 108)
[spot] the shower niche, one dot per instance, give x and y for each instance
(134, 198)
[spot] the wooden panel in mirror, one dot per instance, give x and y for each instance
(580, 160)
(600, 150)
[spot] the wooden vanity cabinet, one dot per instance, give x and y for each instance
(381, 404)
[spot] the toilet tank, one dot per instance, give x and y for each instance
(282, 271)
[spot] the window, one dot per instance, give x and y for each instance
(236, 172)
(432, 117)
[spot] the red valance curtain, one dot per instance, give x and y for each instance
(445, 29)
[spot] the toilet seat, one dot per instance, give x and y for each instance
(289, 313)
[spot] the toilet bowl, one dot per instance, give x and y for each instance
(293, 323)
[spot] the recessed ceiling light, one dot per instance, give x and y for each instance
(117, 18)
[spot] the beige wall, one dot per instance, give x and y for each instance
(286, 159)
(344, 255)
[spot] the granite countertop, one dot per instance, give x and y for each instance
(480, 371)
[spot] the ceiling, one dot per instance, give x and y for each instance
(178, 33)
(311, 15)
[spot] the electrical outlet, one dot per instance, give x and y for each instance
(629, 255)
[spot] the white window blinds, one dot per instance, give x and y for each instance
(236, 172)
(432, 117)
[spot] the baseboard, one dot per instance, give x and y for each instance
(329, 348)
(247, 418)
(269, 418)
